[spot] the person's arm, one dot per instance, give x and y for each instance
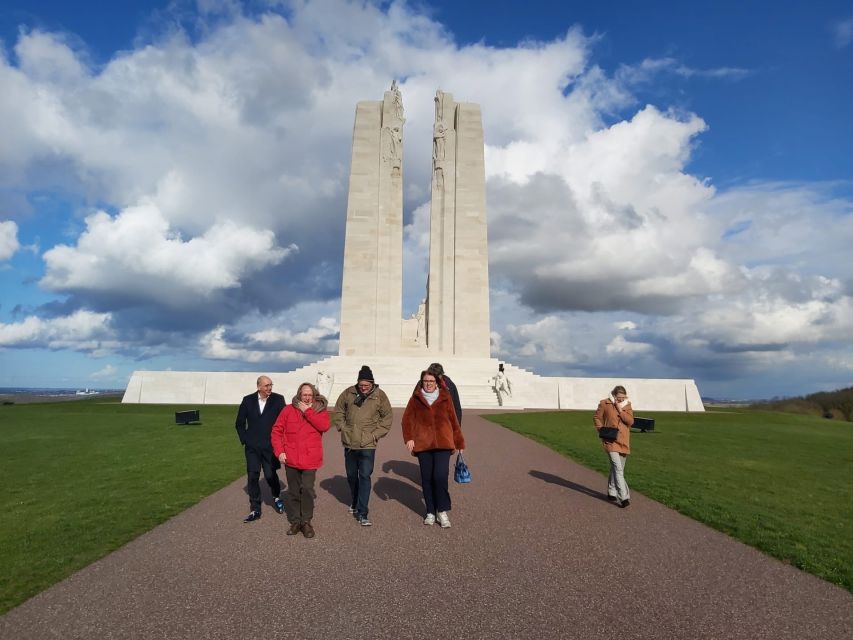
(598, 418)
(340, 413)
(240, 422)
(626, 414)
(277, 436)
(385, 418)
(317, 419)
(458, 438)
(408, 427)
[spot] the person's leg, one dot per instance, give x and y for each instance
(425, 461)
(270, 474)
(440, 474)
(612, 491)
(309, 477)
(617, 462)
(253, 474)
(365, 470)
(351, 464)
(624, 481)
(293, 505)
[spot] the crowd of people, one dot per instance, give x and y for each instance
(275, 434)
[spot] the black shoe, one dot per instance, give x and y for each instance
(625, 503)
(253, 515)
(612, 498)
(279, 505)
(295, 527)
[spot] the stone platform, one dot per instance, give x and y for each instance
(398, 375)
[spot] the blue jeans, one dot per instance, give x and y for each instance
(359, 465)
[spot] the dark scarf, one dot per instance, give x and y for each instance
(361, 397)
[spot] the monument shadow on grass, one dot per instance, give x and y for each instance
(552, 479)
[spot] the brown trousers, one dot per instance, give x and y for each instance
(300, 494)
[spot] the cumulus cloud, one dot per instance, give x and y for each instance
(9, 244)
(211, 172)
(138, 254)
(81, 331)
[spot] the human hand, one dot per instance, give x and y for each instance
(410, 445)
(302, 406)
(282, 458)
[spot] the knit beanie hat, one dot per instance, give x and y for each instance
(365, 373)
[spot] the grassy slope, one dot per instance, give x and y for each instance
(82, 478)
(776, 481)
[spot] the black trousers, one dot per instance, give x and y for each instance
(435, 468)
(257, 460)
(300, 494)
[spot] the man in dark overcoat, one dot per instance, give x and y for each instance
(255, 419)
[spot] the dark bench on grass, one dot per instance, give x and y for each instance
(185, 417)
(644, 424)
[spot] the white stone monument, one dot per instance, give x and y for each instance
(452, 324)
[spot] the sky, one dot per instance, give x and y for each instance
(669, 185)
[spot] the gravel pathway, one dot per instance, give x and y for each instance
(535, 551)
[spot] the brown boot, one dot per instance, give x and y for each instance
(307, 530)
(295, 528)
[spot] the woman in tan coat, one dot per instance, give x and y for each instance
(616, 411)
(431, 432)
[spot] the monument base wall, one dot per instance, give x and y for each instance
(397, 376)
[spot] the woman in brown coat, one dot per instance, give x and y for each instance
(431, 432)
(616, 411)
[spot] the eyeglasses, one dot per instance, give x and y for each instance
(429, 381)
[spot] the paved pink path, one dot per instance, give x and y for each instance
(534, 552)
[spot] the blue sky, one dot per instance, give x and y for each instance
(669, 185)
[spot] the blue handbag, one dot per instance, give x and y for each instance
(461, 473)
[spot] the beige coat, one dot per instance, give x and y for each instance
(621, 417)
(362, 427)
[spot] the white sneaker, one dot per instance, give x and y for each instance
(430, 519)
(443, 520)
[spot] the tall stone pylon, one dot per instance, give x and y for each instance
(457, 306)
(372, 290)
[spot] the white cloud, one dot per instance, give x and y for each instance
(80, 331)
(137, 253)
(9, 244)
(107, 372)
(215, 157)
(842, 32)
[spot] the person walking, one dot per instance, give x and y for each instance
(255, 417)
(297, 442)
(616, 411)
(431, 432)
(362, 416)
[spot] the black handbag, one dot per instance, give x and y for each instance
(608, 433)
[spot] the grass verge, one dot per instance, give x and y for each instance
(82, 478)
(776, 481)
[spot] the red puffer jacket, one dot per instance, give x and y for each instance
(300, 436)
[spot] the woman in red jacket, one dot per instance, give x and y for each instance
(616, 411)
(431, 432)
(297, 441)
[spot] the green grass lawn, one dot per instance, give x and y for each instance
(779, 482)
(82, 478)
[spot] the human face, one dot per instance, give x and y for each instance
(620, 396)
(265, 387)
(306, 395)
(428, 382)
(365, 385)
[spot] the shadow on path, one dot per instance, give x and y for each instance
(338, 487)
(552, 479)
(407, 470)
(402, 492)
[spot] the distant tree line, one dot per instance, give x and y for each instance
(835, 405)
